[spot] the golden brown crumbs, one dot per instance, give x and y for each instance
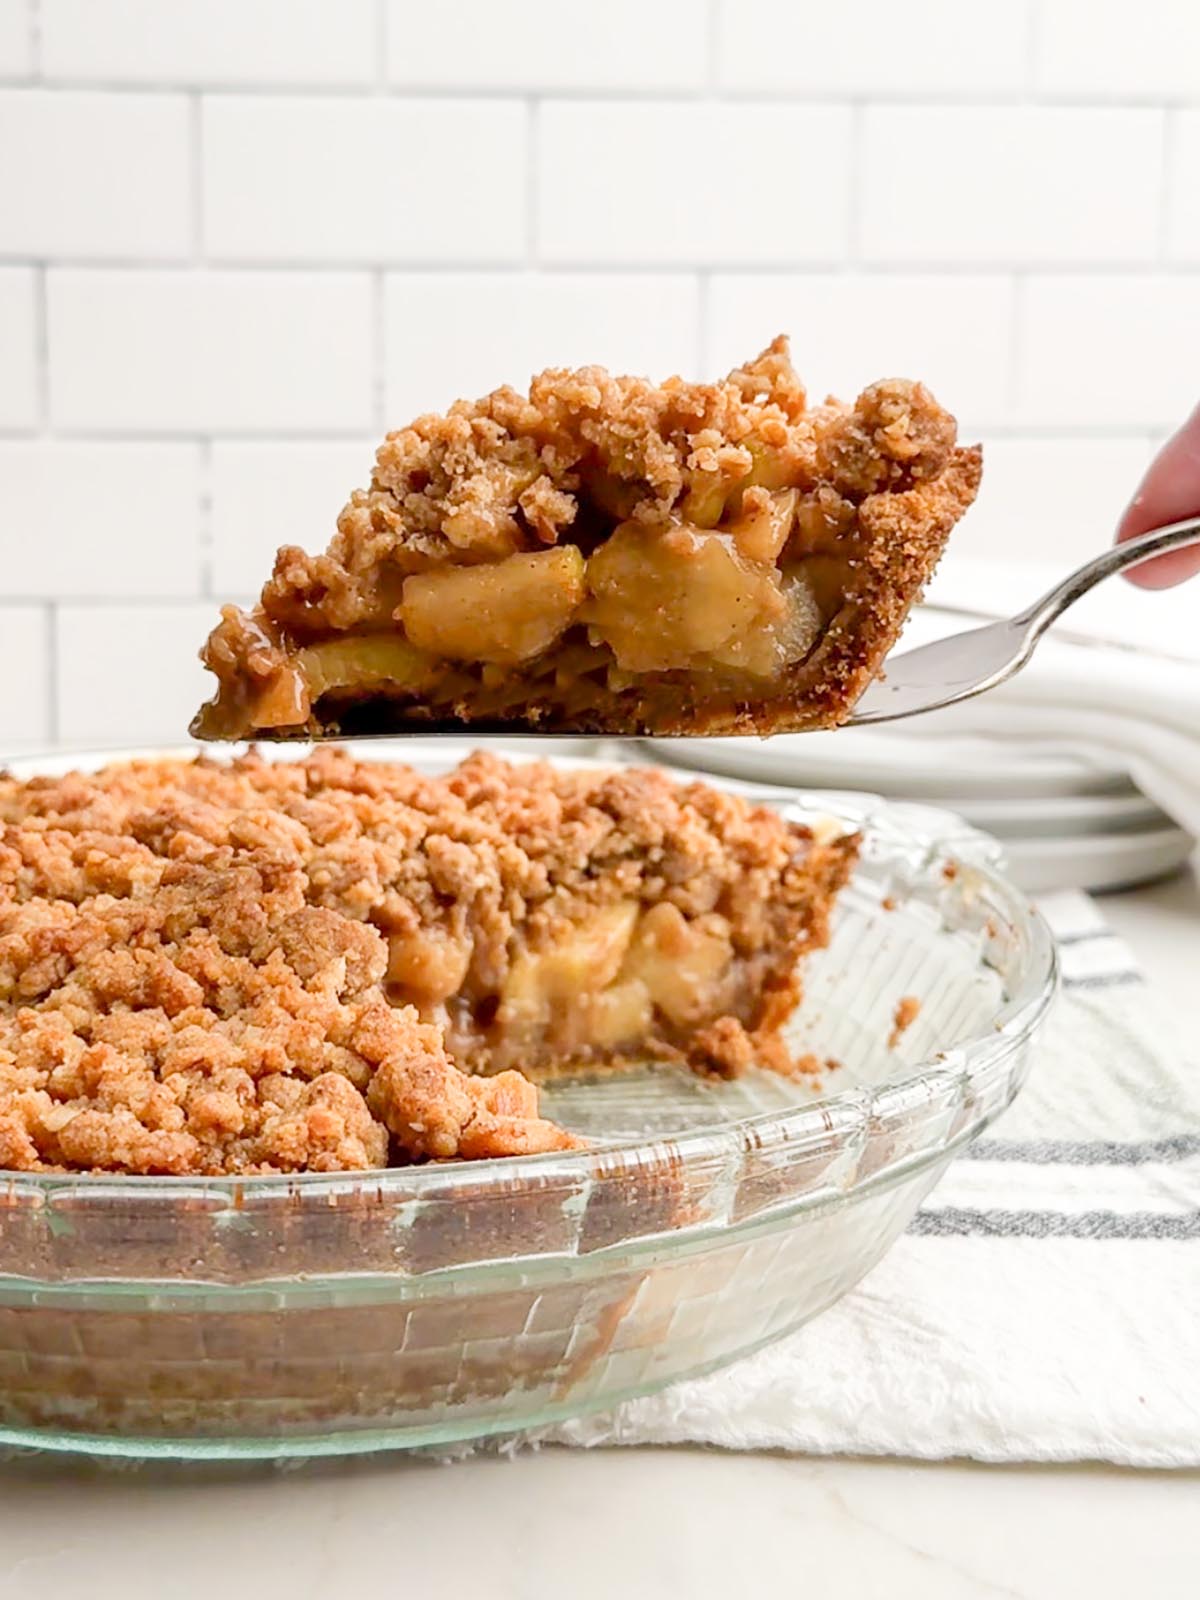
(908, 1009)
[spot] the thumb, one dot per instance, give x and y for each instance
(1169, 492)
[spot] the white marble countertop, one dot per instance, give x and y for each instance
(638, 1522)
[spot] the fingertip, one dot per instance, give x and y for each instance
(1168, 492)
(1164, 572)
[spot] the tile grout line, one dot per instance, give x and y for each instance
(886, 96)
(1018, 313)
(1170, 158)
(196, 175)
(533, 195)
(379, 375)
(381, 44)
(791, 266)
(378, 270)
(1032, 41)
(34, 23)
(703, 270)
(104, 602)
(149, 435)
(53, 720)
(41, 346)
(293, 265)
(712, 44)
(704, 351)
(205, 550)
(852, 259)
(1033, 430)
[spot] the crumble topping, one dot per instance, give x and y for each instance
(254, 967)
(450, 485)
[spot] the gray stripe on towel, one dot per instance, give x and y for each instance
(1084, 1152)
(1084, 936)
(959, 1222)
(1103, 980)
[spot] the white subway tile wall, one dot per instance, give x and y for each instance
(1052, 499)
(924, 47)
(690, 182)
(19, 333)
(1076, 184)
(128, 674)
(16, 39)
(627, 45)
(283, 42)
(240, 238)
(1108, 47)
(1184, 207)
(953, 330)
(25, 651)
(87, 174)
(275, 493)
(1108, 350)
(456, 333)
(209, 351)
(63, 500)
(362, 179)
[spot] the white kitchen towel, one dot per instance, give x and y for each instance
(1045, 1303)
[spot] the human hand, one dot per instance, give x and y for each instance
(1169, 492)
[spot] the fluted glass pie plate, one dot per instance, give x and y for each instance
(330, 1313)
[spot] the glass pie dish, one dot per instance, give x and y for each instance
(325, 1313)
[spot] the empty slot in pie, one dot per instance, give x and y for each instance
(606, 556)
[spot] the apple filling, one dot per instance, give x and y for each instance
(686, 602)
(606, 980)
(611, 977)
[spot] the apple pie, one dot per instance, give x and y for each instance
(330, 965)
(606, 556)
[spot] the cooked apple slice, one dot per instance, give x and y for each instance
(504, 611)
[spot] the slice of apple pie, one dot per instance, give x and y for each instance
(607, 556)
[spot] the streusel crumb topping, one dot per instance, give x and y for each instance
(194, 956)
(513, 471)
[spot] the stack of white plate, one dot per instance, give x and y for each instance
(1065, 822)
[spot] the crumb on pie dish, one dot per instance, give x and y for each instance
(331, 965)
(604, 555)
